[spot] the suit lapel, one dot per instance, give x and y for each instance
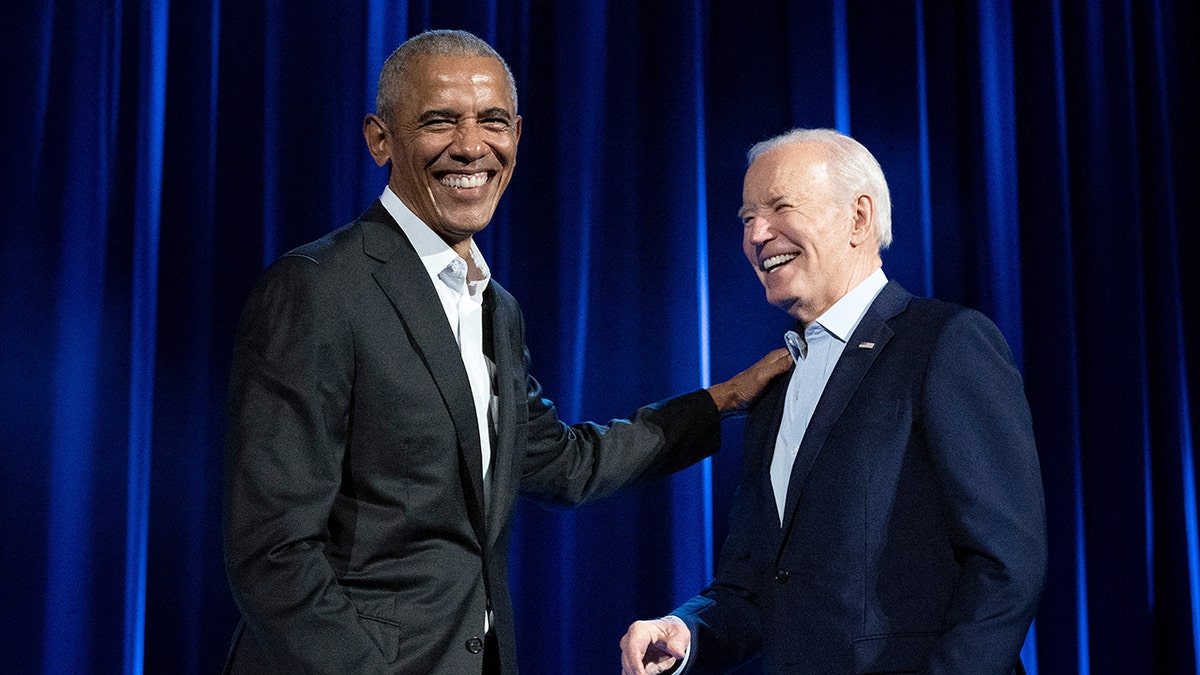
(498, 305)
(407, 285)
(869, 339)
(761, 430)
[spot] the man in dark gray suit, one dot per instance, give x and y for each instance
(383, 419)
(890, 516)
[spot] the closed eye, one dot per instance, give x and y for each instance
(495, 119)
(437, 119)
(438, 125)
(495, 124)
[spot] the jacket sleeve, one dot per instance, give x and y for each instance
(979, 437)
(725, 620)
(568, 465)
(289, 402)
(565, 465)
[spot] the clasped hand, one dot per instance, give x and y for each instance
(654, 647)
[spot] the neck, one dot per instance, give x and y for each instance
(808, 313)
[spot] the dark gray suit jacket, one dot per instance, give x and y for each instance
(356, 536)
(914, 534)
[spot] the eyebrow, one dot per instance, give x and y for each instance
(446, 113)
(770, 202)
(437, 114)
(496, 112)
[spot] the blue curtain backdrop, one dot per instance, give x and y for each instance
(158, 154)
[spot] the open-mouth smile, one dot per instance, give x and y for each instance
(777, 261)
(460, 181)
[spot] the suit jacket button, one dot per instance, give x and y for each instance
(781, 576)
(475, 645)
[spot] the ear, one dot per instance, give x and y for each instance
(862, 230)
(376, 134)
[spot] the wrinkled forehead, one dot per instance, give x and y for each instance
(791, 170)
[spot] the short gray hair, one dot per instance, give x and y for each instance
(853, 169)
(395, 69)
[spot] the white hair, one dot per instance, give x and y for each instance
(852, 169)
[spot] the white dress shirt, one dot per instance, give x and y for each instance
(462, 299)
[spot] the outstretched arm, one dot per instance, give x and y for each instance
(568, 465)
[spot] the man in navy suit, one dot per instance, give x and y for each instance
(383, 418)
(890, 515)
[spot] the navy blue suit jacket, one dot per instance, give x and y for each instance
(914, 532)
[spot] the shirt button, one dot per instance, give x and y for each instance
(475, 645)
(781, 576)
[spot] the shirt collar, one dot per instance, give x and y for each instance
(436, 255)
(843, 317)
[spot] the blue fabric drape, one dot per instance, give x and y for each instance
(158, 154)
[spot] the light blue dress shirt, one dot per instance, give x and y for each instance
(816, 353)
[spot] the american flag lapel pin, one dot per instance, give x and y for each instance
(866, 345)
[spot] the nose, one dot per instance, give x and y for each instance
(468, 144)
(757, 231)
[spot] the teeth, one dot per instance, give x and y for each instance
(462, 182)
(777, 260)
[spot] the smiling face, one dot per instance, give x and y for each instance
(452, 143)
(809, 242)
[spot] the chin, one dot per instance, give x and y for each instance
(784, 304)
(466, 224)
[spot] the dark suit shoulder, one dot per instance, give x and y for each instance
(945, 332)
(346, 255)
(933, 308)
(932, 314)
(923, 326)
(328, 247)
(319, 276)
(347, 243)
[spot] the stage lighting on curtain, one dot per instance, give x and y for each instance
(152, 99)
(80, 205)
(160, 153)
(691, 490)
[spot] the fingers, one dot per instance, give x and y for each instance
(658, 669)
(739, 391)
(677, 636)
(653, 647)
(776, 362)
(634, 645)
(757, 376)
